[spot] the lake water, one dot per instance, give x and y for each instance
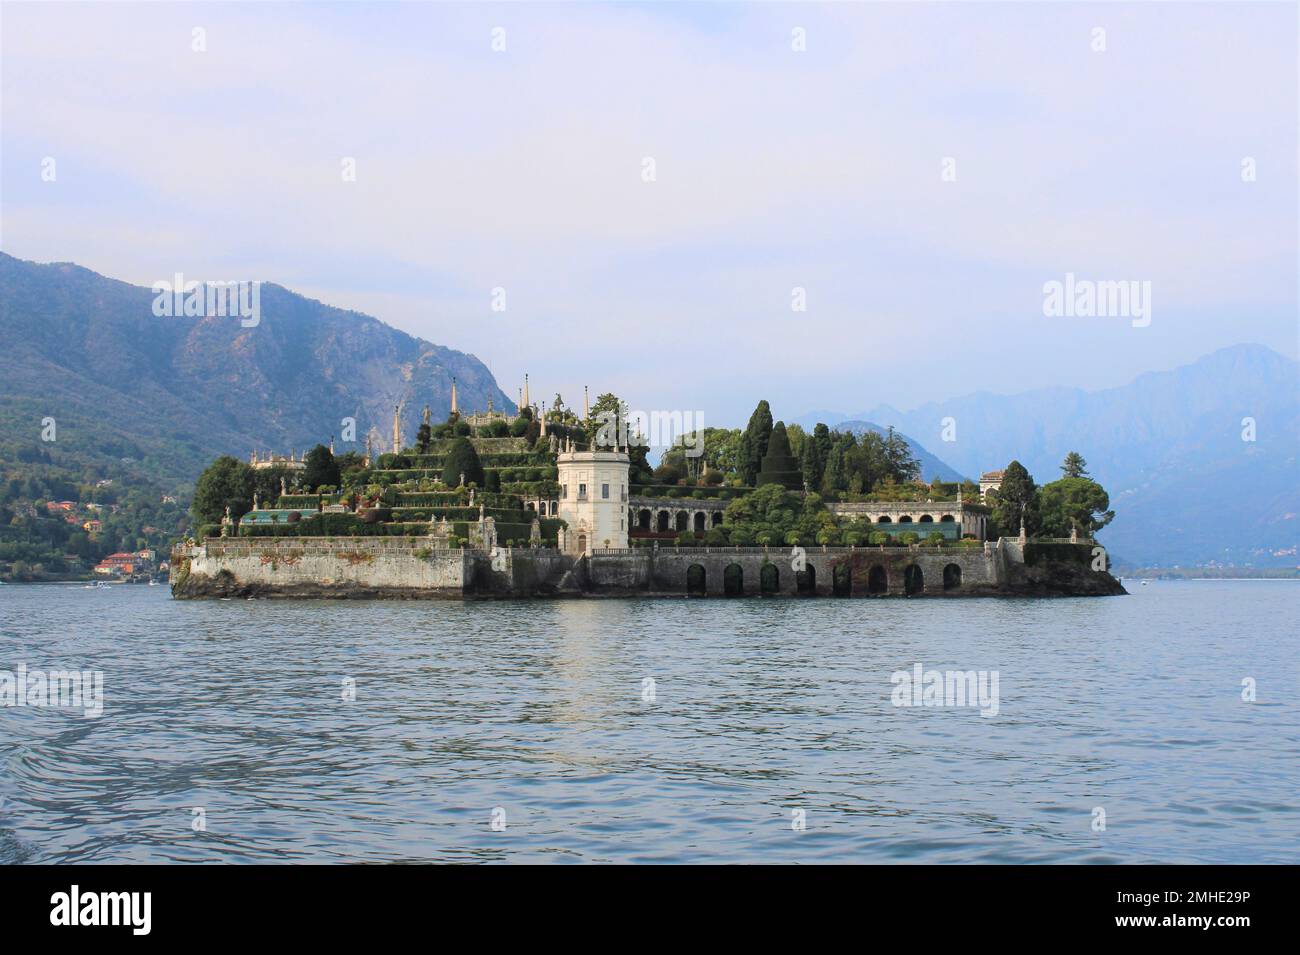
(538, 716)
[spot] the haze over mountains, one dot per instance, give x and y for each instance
(160, 397)
(1168, 447)
(169, 394)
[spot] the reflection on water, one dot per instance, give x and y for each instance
(759, 708)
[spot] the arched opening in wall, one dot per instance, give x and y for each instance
(769, 580)
(555, 506)
(885, 520)
(841, 580)
(717, 518)
(733, 580)
(643, 519)
(805, 581)
(695, 581)
(952, 577)
(699, 521)
(877, 580)
(946, 519)
(905, 519)
(582, 543)
(927, 519)
(680, 521)
(662, 523)
(913, 580)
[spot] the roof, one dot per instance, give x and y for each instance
(992, 475)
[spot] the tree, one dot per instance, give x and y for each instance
(1016, 500)
(1074, 466)
(423, 437)
(1073, 502)
(903, 465)
(462, 459)
(811, 463)
(226, 482)
(779, 465)
(753, 443)
(320, 468)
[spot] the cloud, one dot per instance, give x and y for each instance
(522, 169)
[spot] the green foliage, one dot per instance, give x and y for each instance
(779, 466)
(321, 468)
(1074, 466)
(1073, 502)
(753, 443)
(226, 482)
(462, 459)
(771, 512)
(1015, 500)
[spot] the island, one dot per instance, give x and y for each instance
(552, 503)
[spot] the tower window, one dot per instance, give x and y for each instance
(604, 492)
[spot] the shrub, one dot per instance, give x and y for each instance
(462, 459)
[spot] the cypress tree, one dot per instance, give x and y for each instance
(779, 465)
(462, 459)
(754, 442)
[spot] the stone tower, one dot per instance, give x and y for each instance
(593, 498)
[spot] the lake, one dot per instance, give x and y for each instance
(655, 730)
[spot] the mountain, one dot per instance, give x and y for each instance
(160, 397)
(1168, 446)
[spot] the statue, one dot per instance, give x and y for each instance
(254, 500)
(283, 488)
(462, 478)
(426, 414)
(471, 497)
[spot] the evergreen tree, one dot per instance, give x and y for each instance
(1074, 466)
(422, 438)
(1073, 502)
(1016, 499)
(753, 443)
(903, 465)
(462, 459)
(779, 465)
(812, 464)
(822, 436)
(320, 468)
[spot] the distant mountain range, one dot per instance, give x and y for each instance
(1186, 488)
(153, 400)
(166, 395)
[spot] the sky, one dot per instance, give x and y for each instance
(919, 171)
